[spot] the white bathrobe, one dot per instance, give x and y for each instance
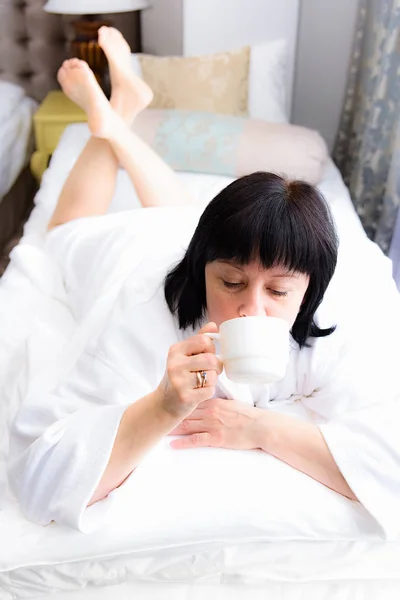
(345, 383)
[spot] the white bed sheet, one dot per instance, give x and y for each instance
(16, 139)
(346, 590)
(30, 287)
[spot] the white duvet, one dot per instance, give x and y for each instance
(16, 111)
(221, 526)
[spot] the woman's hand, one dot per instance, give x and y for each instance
(221, 423)
(178, 392)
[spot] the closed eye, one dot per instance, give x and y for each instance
(231, 285)
(276, 293)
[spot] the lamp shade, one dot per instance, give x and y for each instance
(93, 7)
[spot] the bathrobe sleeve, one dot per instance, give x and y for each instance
(62, 439)
(358, 398)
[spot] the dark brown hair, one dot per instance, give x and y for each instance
(266, 217)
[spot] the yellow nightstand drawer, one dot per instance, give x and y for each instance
(56, 106)
(54, 114)
(48, 135)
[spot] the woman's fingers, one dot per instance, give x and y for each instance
(180, 366)
(189, 426)
(205, 362)
(210, 327)
(191, 374)
(195, 345)
(210, 379)
(189, 380)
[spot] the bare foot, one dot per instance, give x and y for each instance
(79, 84)
(130, 94)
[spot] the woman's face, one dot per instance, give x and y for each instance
(234, 290)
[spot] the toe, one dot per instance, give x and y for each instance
(61, 74)
(84, 65)
(76, 63)
(115, 32)
(103, 33)
(69, 63)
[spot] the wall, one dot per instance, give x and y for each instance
(325, 38)
(162, 27)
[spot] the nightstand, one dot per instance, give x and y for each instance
(52, 117)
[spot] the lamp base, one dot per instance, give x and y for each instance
(86, 47)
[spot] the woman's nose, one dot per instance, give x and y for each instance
(253, 306)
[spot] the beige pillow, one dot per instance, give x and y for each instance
(228, 145)
(213, 83)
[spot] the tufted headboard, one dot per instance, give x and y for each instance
(34, 43)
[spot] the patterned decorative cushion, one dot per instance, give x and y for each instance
(227, 145)
(215, 83)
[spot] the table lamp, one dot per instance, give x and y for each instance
(85, 45)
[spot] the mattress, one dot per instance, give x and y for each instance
(288, 569)
(16, 133)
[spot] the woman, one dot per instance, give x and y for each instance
(262, 246)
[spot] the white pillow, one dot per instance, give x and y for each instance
(11, 95)
(191, 497)
(268, 93)
(201, 187)
(267, 98)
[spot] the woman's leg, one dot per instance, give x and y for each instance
(90, 187)
(155, 182)
(91, 183)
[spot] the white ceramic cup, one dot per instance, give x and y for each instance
(254, 349)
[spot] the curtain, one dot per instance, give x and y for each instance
(367, 149)
(395, 251)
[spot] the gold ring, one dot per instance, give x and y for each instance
(203, 376)
(201, 379)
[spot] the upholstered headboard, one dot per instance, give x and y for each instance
(34, 43)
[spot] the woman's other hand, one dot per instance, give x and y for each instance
(178, 392)
(221, 423)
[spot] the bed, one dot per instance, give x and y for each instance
(228, 555)
(16, 146)
(41, 562)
